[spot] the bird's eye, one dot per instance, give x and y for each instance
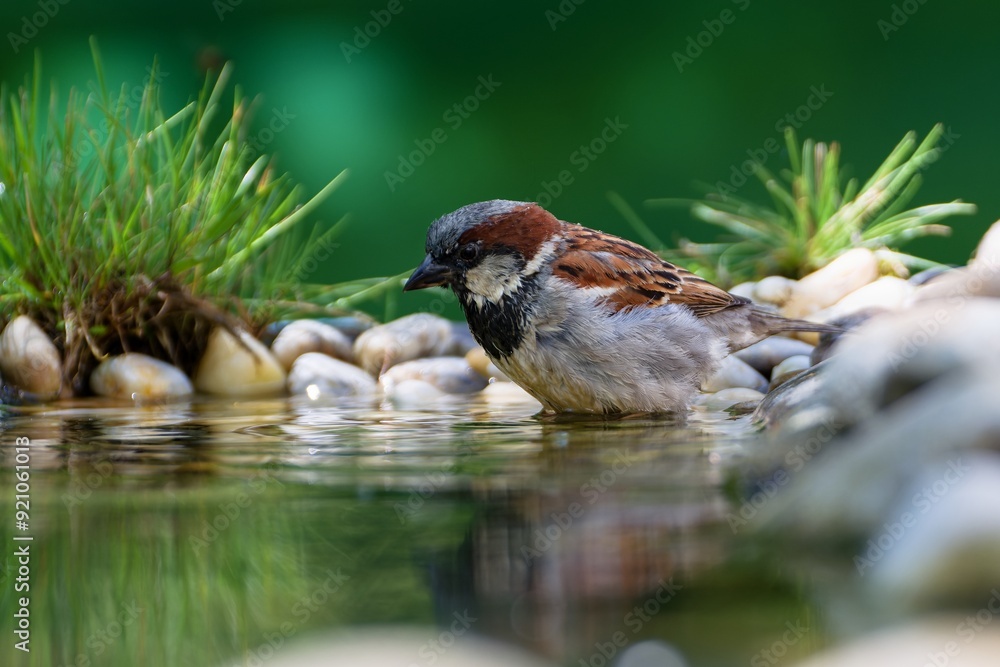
(468, 252)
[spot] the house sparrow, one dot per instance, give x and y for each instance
(585, 321)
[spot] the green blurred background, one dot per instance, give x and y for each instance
(563, 69)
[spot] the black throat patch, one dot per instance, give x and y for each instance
(500, 327)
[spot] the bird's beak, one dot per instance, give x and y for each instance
(428, 274)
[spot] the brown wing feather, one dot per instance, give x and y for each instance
(594, 259)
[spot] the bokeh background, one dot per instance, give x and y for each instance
(560, 71)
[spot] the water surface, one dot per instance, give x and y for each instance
(220, 533)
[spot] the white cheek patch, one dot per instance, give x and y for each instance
(493, 278)
(544, 253)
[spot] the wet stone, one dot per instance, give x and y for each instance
(411, 337)
(727, 398)
(828, 285)
(319, 376)
(229, 368)
(29, 359)
(770, 352)
(734, 373)
(139, 376)
(449, 375)
(304, 336)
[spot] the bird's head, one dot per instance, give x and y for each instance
(486, 251)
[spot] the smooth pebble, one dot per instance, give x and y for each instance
(793, 364)
(139, 376)
(826, 286)
(320, 376)
(302, 336)
(410, 337)
(726, 398)
(228, 368)
(773, 290)
(29, 359)
(450, 375)
(771, 351)
(734, 373)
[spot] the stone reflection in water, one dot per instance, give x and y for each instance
(592, 549)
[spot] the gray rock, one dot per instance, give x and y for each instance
(735, 373)
(793, 364)
(827, 341)
(449, 375)
(799, 393)
(770, 352)
(411, 337)
(303, 336)
(320, 376)
(727, 398)
(942, 542)
(414, 394)
(138, 376)
(462, 340)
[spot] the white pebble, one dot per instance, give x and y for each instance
(727, 398)
(734, 373)
(771, 351)
(451, 375)
(886, 293)
(320, 376)
(139, 376)
(303, 336)
(410, 337)
(795, 364)
(230, 369)
(29, 359)
(773, 290)
(828, 285)
(413, 394)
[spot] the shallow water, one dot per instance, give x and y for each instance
(221, 533)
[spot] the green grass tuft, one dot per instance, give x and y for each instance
(125, 226)
(815, 214)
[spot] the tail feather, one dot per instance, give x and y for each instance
(765, 323)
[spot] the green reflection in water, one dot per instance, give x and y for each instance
(209, 534)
